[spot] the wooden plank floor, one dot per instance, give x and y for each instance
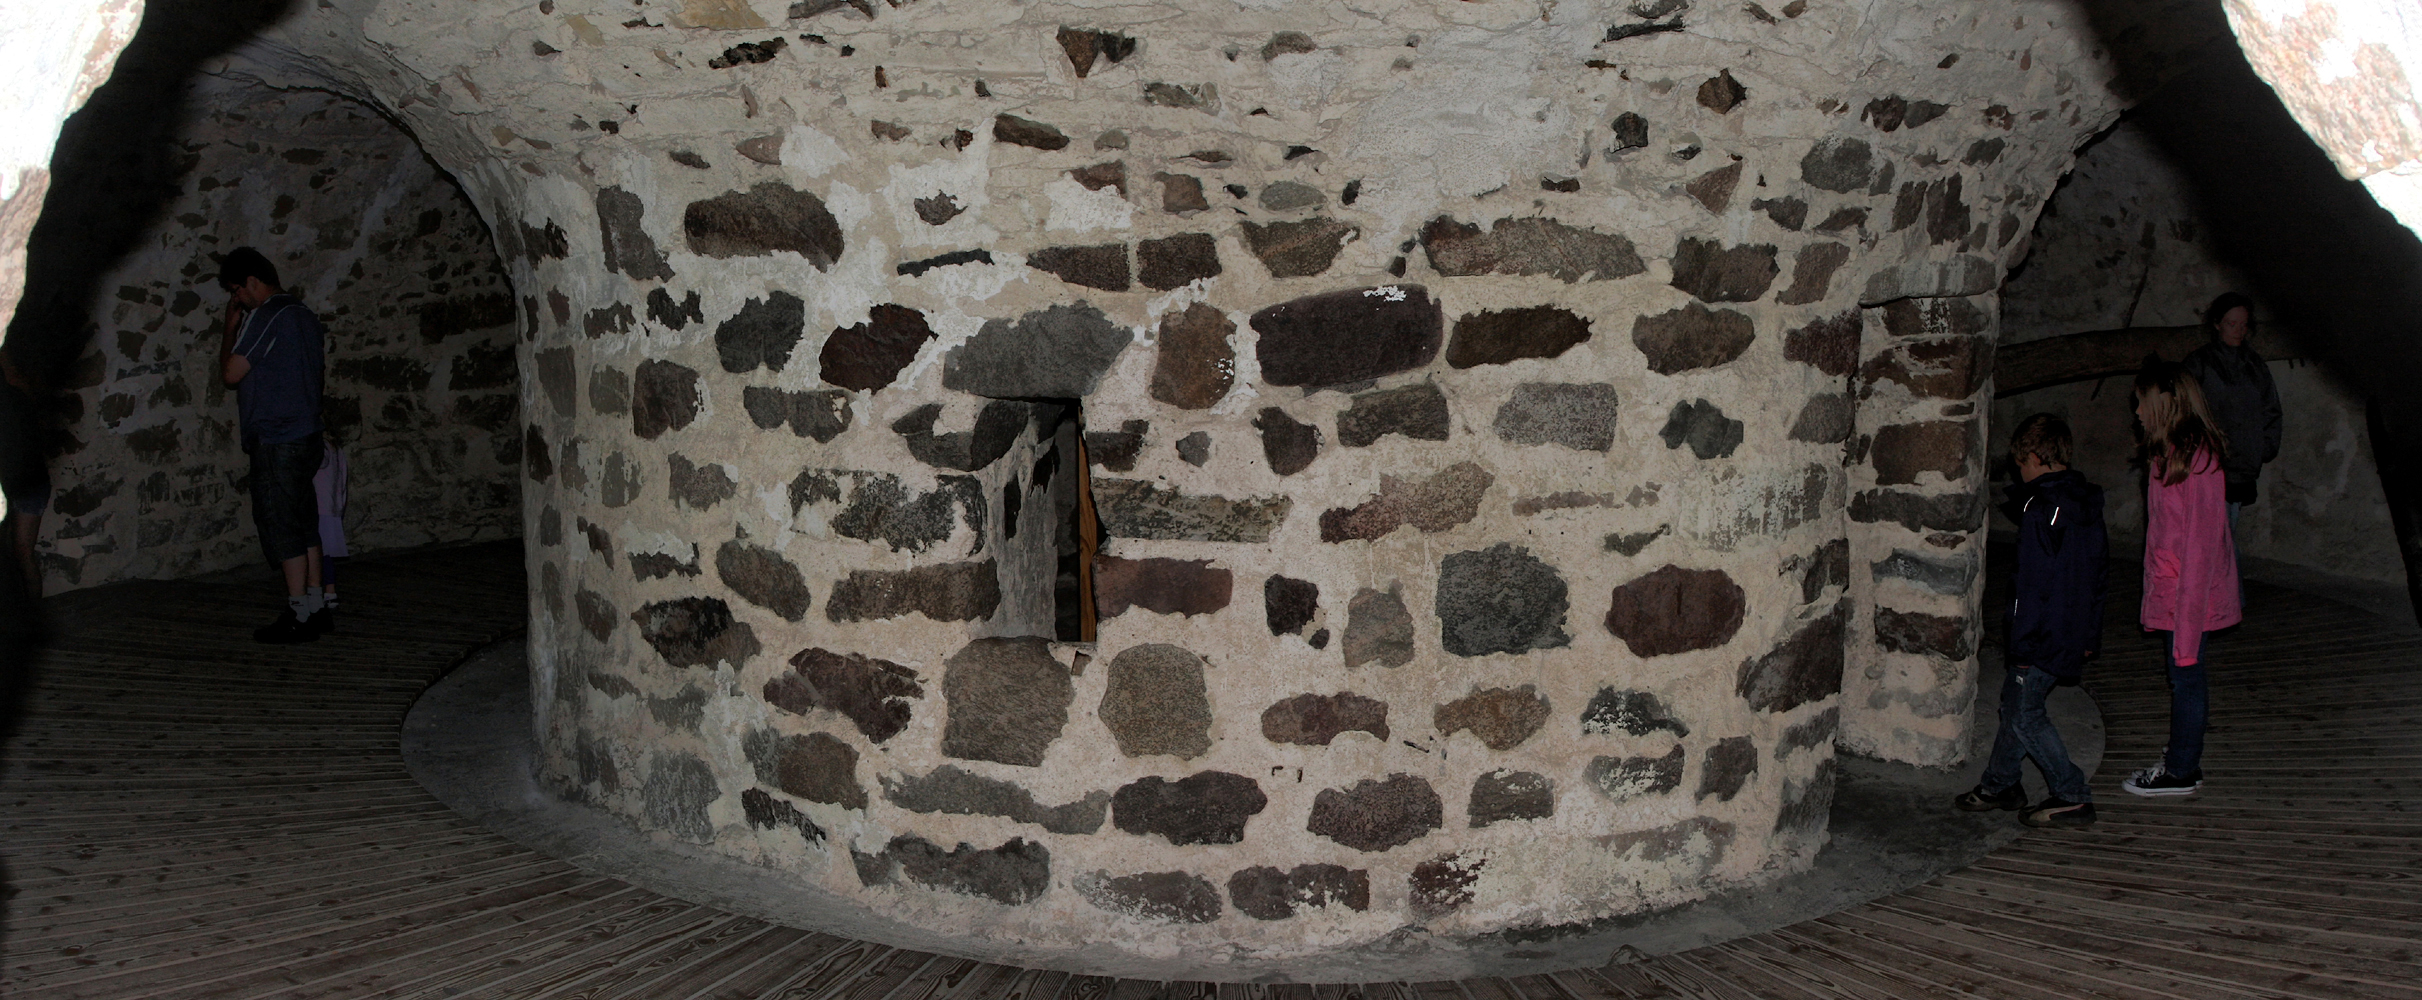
(186, 814)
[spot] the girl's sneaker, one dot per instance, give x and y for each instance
(2157, 780)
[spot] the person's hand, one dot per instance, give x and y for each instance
(235, 315)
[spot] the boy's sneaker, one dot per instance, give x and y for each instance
(2058, 814)
(285, 630)
(1978, 800)
(2157, 780)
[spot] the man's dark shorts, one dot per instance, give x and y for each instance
(284, 506)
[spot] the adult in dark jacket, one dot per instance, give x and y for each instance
(270, 350)
(2244, 400)
(2055, 624)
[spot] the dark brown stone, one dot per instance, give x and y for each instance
(1168, 586)
(1713, 189)
(1841, 219)
(1166, 897)
(762, 333)
(1103, 267)
(1027, 132)
(1287, 445)
(1497, 337)
(628, 248)
(1789, 213)
(1289, 604)
(1812, 273)
(1947, 215)
(1500, 599)
(1625, 544)
(1169, 263)
(1501, 718)
(1829, 344)
(664, 396)
(821, 414)
(815, 767)
(1803, 668)
(1839, 165)
(1288, 43)
(1676, 610)
(596, 613)
(1117, 450)
(556, 376)
(1704, 427)
(1348, 336)
(1181, 193)
(1450, 498)
(1937, 317)
(1922, 634)
(1955, 512)
(1828, 567)
(1706, 269)
(1528, 245)
(1313, 720)
(1953, 368)
(1902, 451)
(769, 217)
(943, 592)
(1013, 874)
(1206, 808)
(872, 694)
(1502, 795)
(696, 632)
(1577, 416)
(1629, 131)
(1156, 702)
(1727, 767)
(951, 791)
(762, 577)
(1636, 712)
(1825, 419)
(1416, 411)
(600, 540)
(1055, 352)
(1101, 175)
(870, 355)
(1265, 893)
(1008, 701)
(1377, 815)
(1135, 508)
(997, 427)
(1816, 731)
(1378, 629)
(1300, 249)
(1721, 93)
(1621, 778)
(765, 812)
(664, 565)
(1693, 336)
(610, 392)
(1084, 47)
(1443, 884)
(938, 209)
(1195, 366)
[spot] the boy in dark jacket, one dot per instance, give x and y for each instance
(2055, 625)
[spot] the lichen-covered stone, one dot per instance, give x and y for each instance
(1167, 897)
(1450, 498)
(769, 217)
(1803, 668)
(1704, 427)
(1415, 411)
(820, 414)
(1166, 586)
(1621, 778)
(997, 428)
(1013, 874)
(1313, 720)
(1266, 893)
(1379, 629)
(881, 507)
(1289, 604)
(1812, 273)
(1103, 266)
(696, 632)
(1915, 632)
(1727, 767)
(1951, 577)
(762, 577)
(1135, 508)
(1827, 418)
(678, 790)
(1377, 815)
(1348, 336)
(1501, 336)
(872, 694)
(1528, 245)
(1693, 336)
(765, 812)
(1176, 261)
(1636, 712)
(1287, 444)
(1443, 884)
(1008, 700)
(762, 334)
(870, 355)
(1156, 702)
(1902, 451)
(1577, 416)
(952, 791)
(1715, 273)
(1300, 249)
(1676, 610)
(1502, 795)
(1211, 807)
(943, 592)
(1055, 352)
(814, 766)
(1501, 718)
(1195, 366)
(1500, 599)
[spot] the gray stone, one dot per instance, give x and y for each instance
(1347, 336)
(1314, 720)
(1803, 668)
(1288, 445)
(1266, 893)
(1950, 577)
(610, 391)
(1377, 815)
(1378, 629)
(1135, 508)
(1211, 807)
(1195, 449)
(870, 355)
(1103, 266)
(628, 248)
(1443, 501)
(682, 711)
(662, 565)
(1636, 712)
(1443, 884)
(1166, 897)
(1827, 567)
(1155, 702)
(1194, 367)
(997, 429)
(1300, 249)
(1808, 805)
(1500, 718)
(1055, 352)
(1502, 795)
(762, 334)
(596, 615)
(1816, 731)
(1812, 273)
(942, 592)
(1713, 273)
(1727, 767)
(1839, 165)
(1500, 336)
(1008, 701)
(1013, 874)
(1177, 261)
(1827, 418)
(1500, 599)
(1693, 336)
(881, 507)
(765, 812)
(770, 217)
(696, 632)
(815, 766)
(1287, 196)
(1922, 634)
(555, 375)
(872, 694)
(1580, 416)
(1788, 212)
(678, 790)
(1621, 778)
(1288, 43)
(674, 315)
(1528, 245)
(762, 577)
(1289, 604)
(1965, 274)
(1415, 411)
(820, 414)
(1704, 427)
(621, 482)
(955, 792)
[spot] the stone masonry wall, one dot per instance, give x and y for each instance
(422, 376)
(1490, 402)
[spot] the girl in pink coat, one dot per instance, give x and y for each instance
(2190, 561)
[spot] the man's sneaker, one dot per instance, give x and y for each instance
(2157, 780)
(2058, 814)
(285, 630)
(1978, 800)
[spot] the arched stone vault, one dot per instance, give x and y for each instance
(1592, 393)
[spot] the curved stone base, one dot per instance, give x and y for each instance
(468, 741)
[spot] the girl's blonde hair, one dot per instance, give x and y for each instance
(2177, 432)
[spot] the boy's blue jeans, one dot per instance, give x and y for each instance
(2027, 731)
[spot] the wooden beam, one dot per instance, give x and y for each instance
(2079, 357)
